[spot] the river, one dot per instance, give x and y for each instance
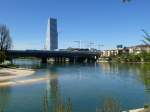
(79, 87)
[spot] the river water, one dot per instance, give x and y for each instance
(79, 87)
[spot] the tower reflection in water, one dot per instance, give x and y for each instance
(53, 101)
(52, 92)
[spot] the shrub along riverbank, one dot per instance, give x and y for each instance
(141, 57)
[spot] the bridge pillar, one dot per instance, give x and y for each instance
(55, 59)
(64, 59)
(71, 60)
(44, 60)
(81, 60)
(91, 60)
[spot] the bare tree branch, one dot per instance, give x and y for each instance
(146, 36)
(126, 0)
(5, 39)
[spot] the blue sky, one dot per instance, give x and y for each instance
(107, 22)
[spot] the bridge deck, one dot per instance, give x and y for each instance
(53, 54)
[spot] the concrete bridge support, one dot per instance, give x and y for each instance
(91, 60)
(44, 60)
(81, 60)
(60, 59)
(71, 59)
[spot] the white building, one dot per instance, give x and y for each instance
(108, 53)
(114, 52)
(51, 35)
(139, 49)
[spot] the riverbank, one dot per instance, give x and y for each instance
(21, 76)
(8, 75)
(139, 110)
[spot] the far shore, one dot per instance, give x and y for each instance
(138, 110)
(122, 62)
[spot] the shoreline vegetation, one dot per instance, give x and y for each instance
(141, 57)
(128, 58)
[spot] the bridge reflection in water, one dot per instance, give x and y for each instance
(57, 56)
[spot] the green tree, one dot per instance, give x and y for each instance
(145, 57)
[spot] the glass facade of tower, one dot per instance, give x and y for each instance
(52, 35)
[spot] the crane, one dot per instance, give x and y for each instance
(79, 44)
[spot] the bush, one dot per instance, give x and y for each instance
(142, 57)
(146, 106)
(145, 57)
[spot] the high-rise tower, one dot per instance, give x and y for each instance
(51, 35)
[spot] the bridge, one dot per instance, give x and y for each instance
(57, 56)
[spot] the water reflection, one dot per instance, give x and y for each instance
(53, 101)
(83, 87)
(52, 92)
(141, 71)
(109, 105)
(5, 93)
(144, 75)
(125, 72)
